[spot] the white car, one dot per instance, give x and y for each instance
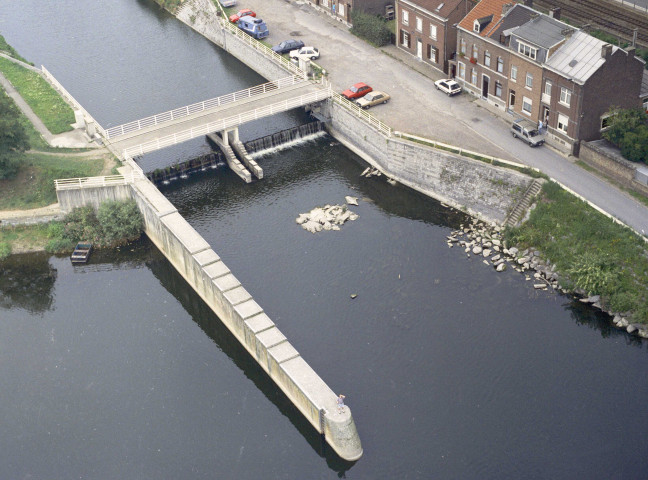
(448, 86)
(308, 52)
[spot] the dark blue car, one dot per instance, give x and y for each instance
(287, 45)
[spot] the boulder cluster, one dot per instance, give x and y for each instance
(480, 239)
(328, 217)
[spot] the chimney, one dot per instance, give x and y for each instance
(555, 13)
(606, 51)
(631, 51)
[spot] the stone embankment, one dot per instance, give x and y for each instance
(482, 240)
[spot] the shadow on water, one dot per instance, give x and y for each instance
(214, 328)
(27, 281)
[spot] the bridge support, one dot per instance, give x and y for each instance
(235, 153)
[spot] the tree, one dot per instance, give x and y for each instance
(13, 138)
(623, 121)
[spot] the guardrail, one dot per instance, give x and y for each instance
(70, 98)
(93, 182)
(181, 112)
(359, 112)
(222, 124)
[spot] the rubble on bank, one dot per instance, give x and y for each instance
(328, 217)
(487, 241)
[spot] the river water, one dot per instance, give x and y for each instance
(453, 371)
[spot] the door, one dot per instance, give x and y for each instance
(485, 81)
(511, 99)
(419, 49)
(348, 13)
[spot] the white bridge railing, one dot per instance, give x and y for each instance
(222, 124)
(181, 112)
(363, 114)
(93, 182)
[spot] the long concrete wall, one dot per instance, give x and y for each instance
(483, 190)
(208, 275)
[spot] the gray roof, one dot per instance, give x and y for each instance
(579, 57)
(518, 15)
(543, 31)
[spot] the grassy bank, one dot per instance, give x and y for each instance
(593, 254)
(33, 186)
(41, 97)
(9, 50)
(24, 238)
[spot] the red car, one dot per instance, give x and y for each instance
(356, 91)
(241, 13)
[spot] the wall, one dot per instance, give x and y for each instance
(480, 189)
(602, 157)
(203, 269)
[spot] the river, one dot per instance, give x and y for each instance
(117, 370)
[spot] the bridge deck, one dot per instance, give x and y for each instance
(217, 118)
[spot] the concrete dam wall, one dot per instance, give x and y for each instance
(208, 275)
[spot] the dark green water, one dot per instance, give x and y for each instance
(453, 371)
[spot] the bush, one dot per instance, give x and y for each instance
(370, 27)
(627, 130)
(5, 250)
(120, 221)
(634, 144)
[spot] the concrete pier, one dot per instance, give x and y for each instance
(208, 275)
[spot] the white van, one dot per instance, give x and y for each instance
(527, 131)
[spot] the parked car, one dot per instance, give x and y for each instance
(373, 98)
(253, 26)
(287, 46)
(228, 3)
(241, 13)
(528, 131)
(308, 52)
(448, 86)
(356, 91)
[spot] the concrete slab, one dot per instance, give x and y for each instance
(185, 233)
(258, 323)
(237, 295)
(226, 282)
(271, 337)
(217, 269)
(206, 257)
(248, 309)
(310, 382)
(283, 352)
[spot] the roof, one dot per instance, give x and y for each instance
(516, 16)
(482, 10)
(644, 85)
(440, 8)
(579, 57)
(543, 31)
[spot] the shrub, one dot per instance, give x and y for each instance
(5, 250)
(634, 144)
(120, 221)
(370, 27)
(627, 129)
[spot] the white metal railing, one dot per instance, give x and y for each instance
(363, 114)
(228, 122)
(182, 112)
(73, 100)
(93, 182)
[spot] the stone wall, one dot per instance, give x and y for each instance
(203, 269)
(604, 157)
(478, 188)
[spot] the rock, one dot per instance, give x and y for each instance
(353, 216)
(477, 250)
(539, 285)
(631, 328)
(593, 299)
(354, 295)
(496, 248)
(501, 267)
(486, 252)
(643, 333)
(496, 242)
(486, 262)
(365, 171)
(351, 200)
(513, 251)
(495, 258)
(522, 260)
(467, 249)
(452, 239)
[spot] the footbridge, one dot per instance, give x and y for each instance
(221, 115)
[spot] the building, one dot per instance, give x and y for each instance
(427, 29)
(341, 9)
(533, 65)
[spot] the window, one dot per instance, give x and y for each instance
(433, 32)
(605, 121)
(487, 59)
(462, 70)
(563, 122)
(565, 96)
(547, 90)
(527, 50)
(475, 51)
(405, 17)
(526, 105)
(529, 80)
(476, 26)
(473, 77)
(433, 53)
(498, 89)
(500, 65)
(419, 24)
(514, 73)
(405, 39)
(462, 47)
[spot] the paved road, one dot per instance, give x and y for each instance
(417, 108)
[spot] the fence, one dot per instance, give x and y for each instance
(93, 182)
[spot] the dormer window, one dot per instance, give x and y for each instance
(527, 50)
(480, 23)
(476, 26)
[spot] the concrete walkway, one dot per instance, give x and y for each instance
(418, 108)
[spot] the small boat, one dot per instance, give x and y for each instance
(81, 253)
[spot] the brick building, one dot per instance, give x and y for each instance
(341, 9)
(426, 28)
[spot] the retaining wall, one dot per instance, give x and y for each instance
(606, 158)
(203, 269)
(478, 188)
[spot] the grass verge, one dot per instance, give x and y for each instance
(23, 238)
(594, 254)
(40, 96)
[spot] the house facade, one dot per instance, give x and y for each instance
(534, 66)
(426, 29)
(341, 9)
